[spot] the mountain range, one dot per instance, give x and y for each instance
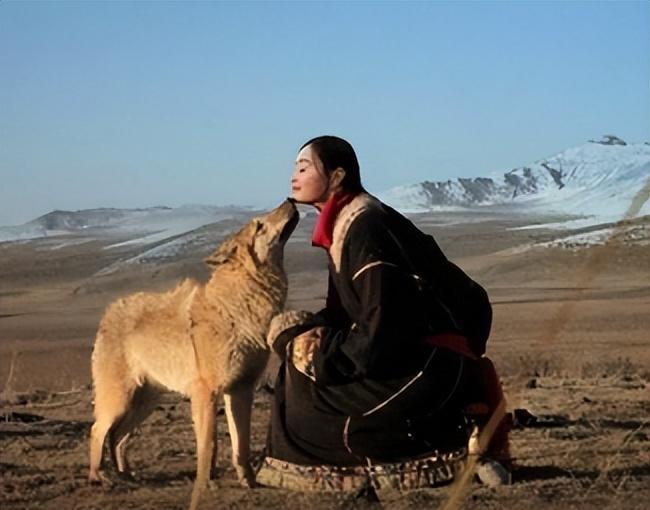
(598, 179)
(596, 182)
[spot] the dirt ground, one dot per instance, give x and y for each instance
(571, 339)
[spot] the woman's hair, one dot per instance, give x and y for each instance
(335, 152)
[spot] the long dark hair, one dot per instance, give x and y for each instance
(336, 152)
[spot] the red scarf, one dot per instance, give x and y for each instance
(324, 230)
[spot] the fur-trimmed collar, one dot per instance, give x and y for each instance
(324, 229)
(346, 216)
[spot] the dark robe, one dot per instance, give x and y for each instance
(383, 391)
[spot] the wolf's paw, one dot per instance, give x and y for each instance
(127, 476)
(246, 477)
(286, 325)
(98, 478)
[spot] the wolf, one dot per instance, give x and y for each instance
(202, 341)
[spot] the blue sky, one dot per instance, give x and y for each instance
(106, 104)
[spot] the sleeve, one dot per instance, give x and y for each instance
(334, 315)
(390, 318)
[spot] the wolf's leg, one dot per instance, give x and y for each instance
(111, 402)
(142, 404)
(97, 435)
(238, 413)
(213, 463)
(204, 418)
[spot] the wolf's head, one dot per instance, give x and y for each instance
(260, 242)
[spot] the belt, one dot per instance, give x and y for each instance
(451, 341)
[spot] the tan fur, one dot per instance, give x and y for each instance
(198, 340)
(287, 320)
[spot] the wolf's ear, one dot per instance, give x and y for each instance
(221, 256)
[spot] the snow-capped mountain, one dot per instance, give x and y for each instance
(598, 179)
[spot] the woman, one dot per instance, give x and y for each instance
(380, 375)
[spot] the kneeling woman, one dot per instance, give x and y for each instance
(377, 376)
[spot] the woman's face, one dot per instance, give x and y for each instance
(309, 183)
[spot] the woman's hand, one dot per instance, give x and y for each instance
(303, 348)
